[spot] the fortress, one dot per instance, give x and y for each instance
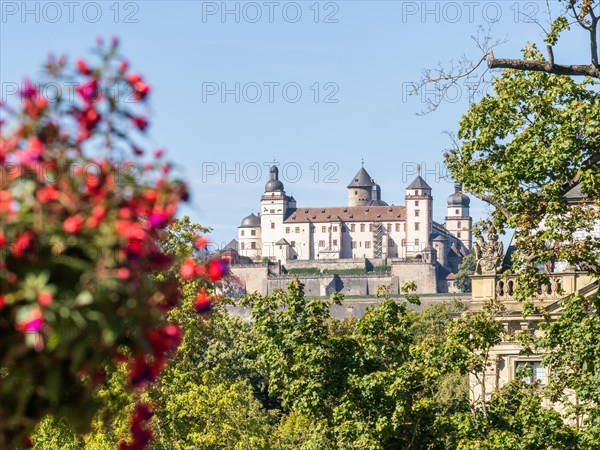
(367, 232)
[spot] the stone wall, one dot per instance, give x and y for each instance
(253, 277)
(325, 285)
(326, 264)
(424, 275)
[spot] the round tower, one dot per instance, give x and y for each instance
(249, 237)
(360, 189)
(458, 220)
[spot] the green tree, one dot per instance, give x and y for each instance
(520, 150)
(466, 269)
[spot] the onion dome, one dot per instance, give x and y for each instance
(376, 197)
(458, 198)
(274, 185)
(251, 221)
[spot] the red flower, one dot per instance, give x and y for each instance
(45, 298)
(29, 91)
(5, 200)
(123, 273)
(89, 91)
(133, 77)
(157, 219)
(22, 244)
(150, 195)
(47, 194)
(2, 301)
(217, 269)
(73, 224)
(2, 239)
(201, 242)
(34, 321)
(188, 269)
(123, 65)
(83, 67)
(203, 303)
(140, 122)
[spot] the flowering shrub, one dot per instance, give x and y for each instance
(83, 212)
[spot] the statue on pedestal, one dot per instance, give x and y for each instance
(489, 254)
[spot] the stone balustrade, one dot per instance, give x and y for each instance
(503, 288)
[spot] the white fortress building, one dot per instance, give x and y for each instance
(367, 227)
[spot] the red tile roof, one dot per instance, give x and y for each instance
(348, 214)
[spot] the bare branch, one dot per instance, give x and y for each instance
(543, 66)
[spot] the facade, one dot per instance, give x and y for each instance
(489, 283)
(367, 227)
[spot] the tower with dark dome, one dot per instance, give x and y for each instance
(274, 205)
(249, 237)
(458, 220)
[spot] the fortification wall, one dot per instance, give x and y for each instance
(253, 277)
(325, 285)
(424, 275)
(325, 264)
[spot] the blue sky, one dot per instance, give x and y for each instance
(320, 86)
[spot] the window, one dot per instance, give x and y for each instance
(355, 192)
(272, 225)
(390, 243)
(371, 227)
(389, 227)
(287, 230)
(362, 227)
(417, 212)
(417, 242)
(353, 244)
(242, 233)
(334, 229)
(323, 229)
(416, 226)
(368, 244)
(243, 245)
(417, 203)
(531, 371)
(352, 227)
(403, 242)
(397, 227)
(456, 212)
(297, 229)
(272, 211)
(334, 243)
(458, 234)
(321, 243)
(253, 245)
(458, 225)
(252, 232)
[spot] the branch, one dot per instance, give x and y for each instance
(543, 66)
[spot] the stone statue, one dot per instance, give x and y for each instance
(489, 254)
